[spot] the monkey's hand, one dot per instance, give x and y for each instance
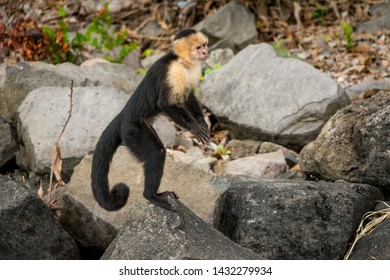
(202, 133)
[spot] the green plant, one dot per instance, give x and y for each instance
(148, 52)
(347, 34)
(142, 71)
(57, 40)
(100, 36)
(319, 13)
(210, 70)
(280, 49)
(222, 150)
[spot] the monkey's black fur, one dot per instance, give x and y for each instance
(184, 33)
(131, 127)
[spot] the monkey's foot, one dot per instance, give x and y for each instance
(168, 193)
(161, 201)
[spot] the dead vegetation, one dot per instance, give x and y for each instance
(370, 221)
(323, 33)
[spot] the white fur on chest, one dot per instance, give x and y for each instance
(183, 80)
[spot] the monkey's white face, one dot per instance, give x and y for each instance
(192, 48)
(201, 52)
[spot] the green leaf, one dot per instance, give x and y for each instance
(62, 12)
(148, 52)
(142, 71)
(79, 39)
(48, 31)
(95, 43)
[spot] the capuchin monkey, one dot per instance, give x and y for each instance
(168, 87)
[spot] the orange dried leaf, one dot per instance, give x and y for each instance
(59, 37)
(57, 164)
(65, 47)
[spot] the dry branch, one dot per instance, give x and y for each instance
(56, 164)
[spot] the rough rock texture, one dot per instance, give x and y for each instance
(166, 131)
(262, 99)
(243, 148)
(290, 156)
(270, 165)
(29, 76)
(354, 145)
(232, 26)
(92, 234)
(219, 57)
(294, 220)
(50, 106)
(8, 143)
(28, 228)
(194, 187)
(154, 233)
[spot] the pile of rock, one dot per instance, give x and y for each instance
(271, 107)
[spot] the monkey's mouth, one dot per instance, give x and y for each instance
(204, 58)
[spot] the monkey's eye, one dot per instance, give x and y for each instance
(198, 47)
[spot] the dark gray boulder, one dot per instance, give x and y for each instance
(28, 228)
(292, 219)
(92, 234)
(155, 233)
(375, 245)
(8, 143)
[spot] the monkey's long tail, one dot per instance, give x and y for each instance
(102, 156)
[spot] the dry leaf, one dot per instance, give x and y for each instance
(57, 165)
(41, 193)
(363, 48)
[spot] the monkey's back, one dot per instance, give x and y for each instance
(143, 104)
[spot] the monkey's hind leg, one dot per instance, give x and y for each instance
(144, 143)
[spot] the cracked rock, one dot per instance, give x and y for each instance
(257, 96)
(353, 145)
(294, 220)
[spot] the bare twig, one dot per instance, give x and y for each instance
(69, 113)
(56, 163)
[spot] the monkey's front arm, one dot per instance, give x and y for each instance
(185, 119)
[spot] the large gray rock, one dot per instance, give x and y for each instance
(259, 95)
(152, 233)
(195, 188)
(29, 76)
(28, 228)
(354, 145)
(8, 143)
(42, 115)
(294, 220)
(233, 26)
